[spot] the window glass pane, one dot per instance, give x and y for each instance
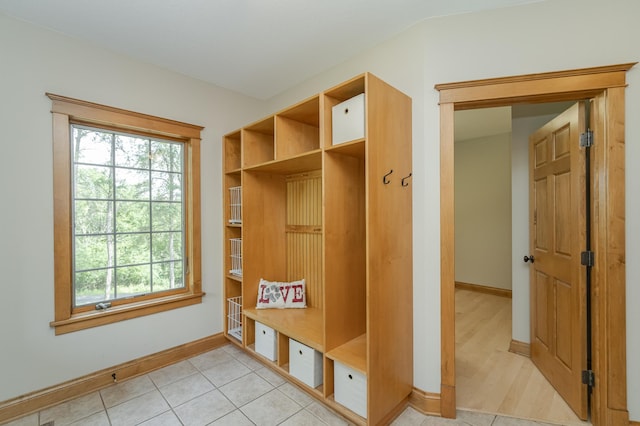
(128, 215)
(132, 184)
(166, 186)
(166, 156)
(167, 246)
(132, 280)
(93, 182)
(132, 216)
(93, 217)
(91, 147)
(166, 217)
(132, 249)
(93, 252)
(132, 151)
(94, 286)
(167, 276)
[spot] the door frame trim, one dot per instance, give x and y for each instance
(609, 398)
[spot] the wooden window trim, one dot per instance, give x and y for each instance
(66, 111)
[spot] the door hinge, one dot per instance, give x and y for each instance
(588, 378)
(587, 258)
(586, 139)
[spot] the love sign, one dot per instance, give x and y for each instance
(274, 294)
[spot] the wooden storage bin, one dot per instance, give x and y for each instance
(305, 363)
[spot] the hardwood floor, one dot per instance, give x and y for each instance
(491, 379)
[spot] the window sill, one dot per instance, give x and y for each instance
(124, 312)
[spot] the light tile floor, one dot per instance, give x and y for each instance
(221, 387)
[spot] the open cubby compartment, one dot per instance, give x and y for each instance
(264, 239)
(258, 143)
(298, 129)
(233, 199)
(283, 351)
(236, 256)
(233, 259)
(336, 95)
(345, 247)
(233, 309)
(352, 354)
(232, 152)
(234, 317)
(283, 241)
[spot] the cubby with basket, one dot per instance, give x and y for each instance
(234, 317)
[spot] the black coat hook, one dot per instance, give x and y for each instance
(404, 178)
(384, 178)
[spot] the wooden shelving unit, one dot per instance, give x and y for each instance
(326, 212)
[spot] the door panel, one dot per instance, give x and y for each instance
(543, 293)
(542, 229)
(557, 228)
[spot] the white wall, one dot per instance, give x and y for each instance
(521, 129)
(483, 211)
(35, 61)
(540, 37)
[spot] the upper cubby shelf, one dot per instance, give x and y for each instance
(258, 142)
(290, 140)
(352, 149)
(339, 95)
(348, 89)
(296, 164)
(232, 152)
(298, 129)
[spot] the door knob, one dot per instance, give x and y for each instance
(528, 259)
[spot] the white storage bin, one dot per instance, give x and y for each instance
(305, 363)
(348, 120)
(350, 388)
(266, 341)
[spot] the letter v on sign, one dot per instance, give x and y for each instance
(285, 292)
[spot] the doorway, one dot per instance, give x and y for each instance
(492, 281)
(608, 333)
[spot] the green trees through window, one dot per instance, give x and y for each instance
(128, 215)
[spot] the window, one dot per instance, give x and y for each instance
(126, 214)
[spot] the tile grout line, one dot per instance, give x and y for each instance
(165, 399)
(104, 406)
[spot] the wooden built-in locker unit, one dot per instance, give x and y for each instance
(323, 212)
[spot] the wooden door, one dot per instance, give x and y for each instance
(557, 237)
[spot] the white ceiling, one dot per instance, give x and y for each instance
(478, 123)
(256, 47)
(484, 122)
